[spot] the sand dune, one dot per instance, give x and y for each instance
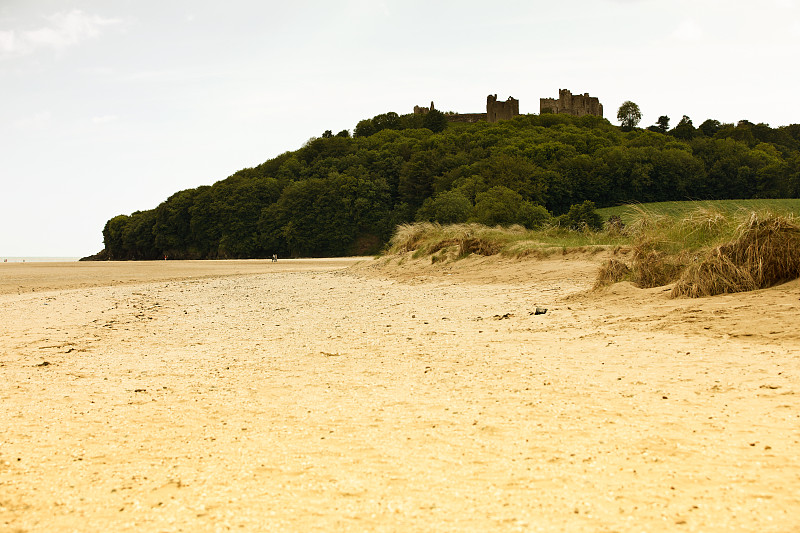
(392, 396)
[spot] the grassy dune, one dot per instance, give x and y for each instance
(703, 248)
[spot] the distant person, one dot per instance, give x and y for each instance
(274, 258)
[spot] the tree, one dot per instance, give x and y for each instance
(364, 128)
(386, 121)
(629, 114)
(448, 207)
(532, 215)
(685, 129)
(661, 125)
(324, 216)
(582, 217)
(500, 205)
(710, 127)
(114, 236)
(435, 121)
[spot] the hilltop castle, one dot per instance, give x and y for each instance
(567, 103)
(494, 111)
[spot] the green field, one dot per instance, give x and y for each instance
(631, 212)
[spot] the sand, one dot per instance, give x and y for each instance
(322, 396)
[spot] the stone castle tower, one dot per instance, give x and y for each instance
(501, 110)
(418, 110)
(567, 103)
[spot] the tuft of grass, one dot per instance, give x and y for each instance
(478, 245)
(655, 268)
(408, 237)
(716, 274)
(612, 271)
(764, 252)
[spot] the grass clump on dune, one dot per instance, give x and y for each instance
(455, 241)
(709, 251)
(612, 271)
(764, 252)
(704, 251)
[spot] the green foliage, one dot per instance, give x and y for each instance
(629, 114)
(435, 121)
(364, 128)
(503, 206)
(448, 207)
(661, 125)
(684, 130)
(581, 217)
(393, 121)
(114, 235)
(337, 192)
(533, 216)
(324, 217)
(497, 206)
(710, 127)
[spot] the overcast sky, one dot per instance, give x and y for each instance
(111, 106)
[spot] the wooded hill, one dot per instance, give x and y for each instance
(342, 195)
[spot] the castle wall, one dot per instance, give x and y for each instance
(568, 103)
(571, 104)
(466, 117)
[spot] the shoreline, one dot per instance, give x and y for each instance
(21, 278)
(37, 259)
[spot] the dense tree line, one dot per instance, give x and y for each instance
(340, 195)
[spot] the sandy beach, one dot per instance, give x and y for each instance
(391, 395)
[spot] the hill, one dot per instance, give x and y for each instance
(342, 195)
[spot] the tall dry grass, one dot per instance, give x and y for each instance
(456, 240)
(408, 237)
(704, 252)
(765, 251)
(610, 272)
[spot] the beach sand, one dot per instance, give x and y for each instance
(393, 395)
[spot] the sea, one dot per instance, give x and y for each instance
(4, 259)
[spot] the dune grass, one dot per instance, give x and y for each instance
(459, 240)
(703, 248)
(764, 252)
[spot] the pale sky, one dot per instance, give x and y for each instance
(111, 106)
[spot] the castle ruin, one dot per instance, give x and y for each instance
(501, 110)
(423, 110)
(494, 111)
(569, 104)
